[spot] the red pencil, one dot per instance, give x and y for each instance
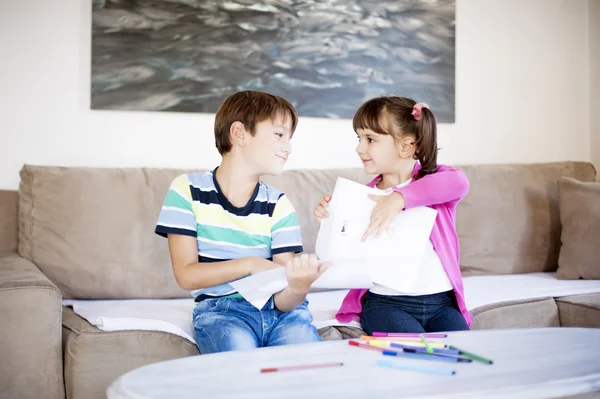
(373, 347)
(303, 367)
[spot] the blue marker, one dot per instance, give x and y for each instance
(414, 367)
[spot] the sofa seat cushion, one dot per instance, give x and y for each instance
(579, 310)
(530, 313)
(94, 358)
(490, 290)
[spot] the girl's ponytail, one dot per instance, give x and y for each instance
(426, 141)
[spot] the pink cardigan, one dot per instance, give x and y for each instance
(441, 191)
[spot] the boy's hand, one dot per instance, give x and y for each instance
(386, 208)
(321, 209)
(302, 271)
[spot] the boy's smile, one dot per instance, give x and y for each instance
(269, 148)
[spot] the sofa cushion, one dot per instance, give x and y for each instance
(509, 221)
(91, 231)
(531, 313)
(580, 219)
(93, 359)
(9, 201)
(579, 310)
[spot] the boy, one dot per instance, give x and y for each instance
(226, 224)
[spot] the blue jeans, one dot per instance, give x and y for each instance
(227, 324)
(411, 314)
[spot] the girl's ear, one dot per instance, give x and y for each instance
(407, 147)
(237, 134)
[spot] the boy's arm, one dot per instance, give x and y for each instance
(191, 274)
(301, 272)
(286, 240)
(286, 300)
(446, 185)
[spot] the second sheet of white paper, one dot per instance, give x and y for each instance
(393, 259)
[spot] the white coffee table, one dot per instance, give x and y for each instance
(528, 363)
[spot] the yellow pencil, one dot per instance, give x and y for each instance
(387, 344)
(404, 341)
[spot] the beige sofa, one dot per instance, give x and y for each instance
(88, 233)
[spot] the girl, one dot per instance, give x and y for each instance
(398, 142)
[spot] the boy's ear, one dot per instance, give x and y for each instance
(238, 134)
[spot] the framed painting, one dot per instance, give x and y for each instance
(325, 56)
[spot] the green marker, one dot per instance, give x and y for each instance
(429, 348)
(472, 355)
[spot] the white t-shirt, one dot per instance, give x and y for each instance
(431, 279)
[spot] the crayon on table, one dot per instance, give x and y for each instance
(415, 344)
(414, 367)
(427, 356)
(408, 335)
(472, 355)
(421, 349)
(301, 367)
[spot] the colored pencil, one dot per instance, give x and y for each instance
(409, 335)
(302, 367)
(472, 356)
(414, 367)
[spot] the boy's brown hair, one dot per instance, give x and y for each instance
(249, 107)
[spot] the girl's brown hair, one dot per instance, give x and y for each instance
(393, 116)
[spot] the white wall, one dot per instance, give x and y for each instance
(595, 83)
(519, 63)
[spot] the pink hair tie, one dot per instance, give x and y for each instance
(416, 112)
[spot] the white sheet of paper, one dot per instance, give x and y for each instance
(258, 288)
(393, 259)
(344, 273)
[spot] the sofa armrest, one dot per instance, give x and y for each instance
(30, 337)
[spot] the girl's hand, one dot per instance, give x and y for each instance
(386, 208)
(302, 271)
(321, 209)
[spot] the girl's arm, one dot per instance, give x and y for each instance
(446, 185)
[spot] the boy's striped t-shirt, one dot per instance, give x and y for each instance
(195, 206)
